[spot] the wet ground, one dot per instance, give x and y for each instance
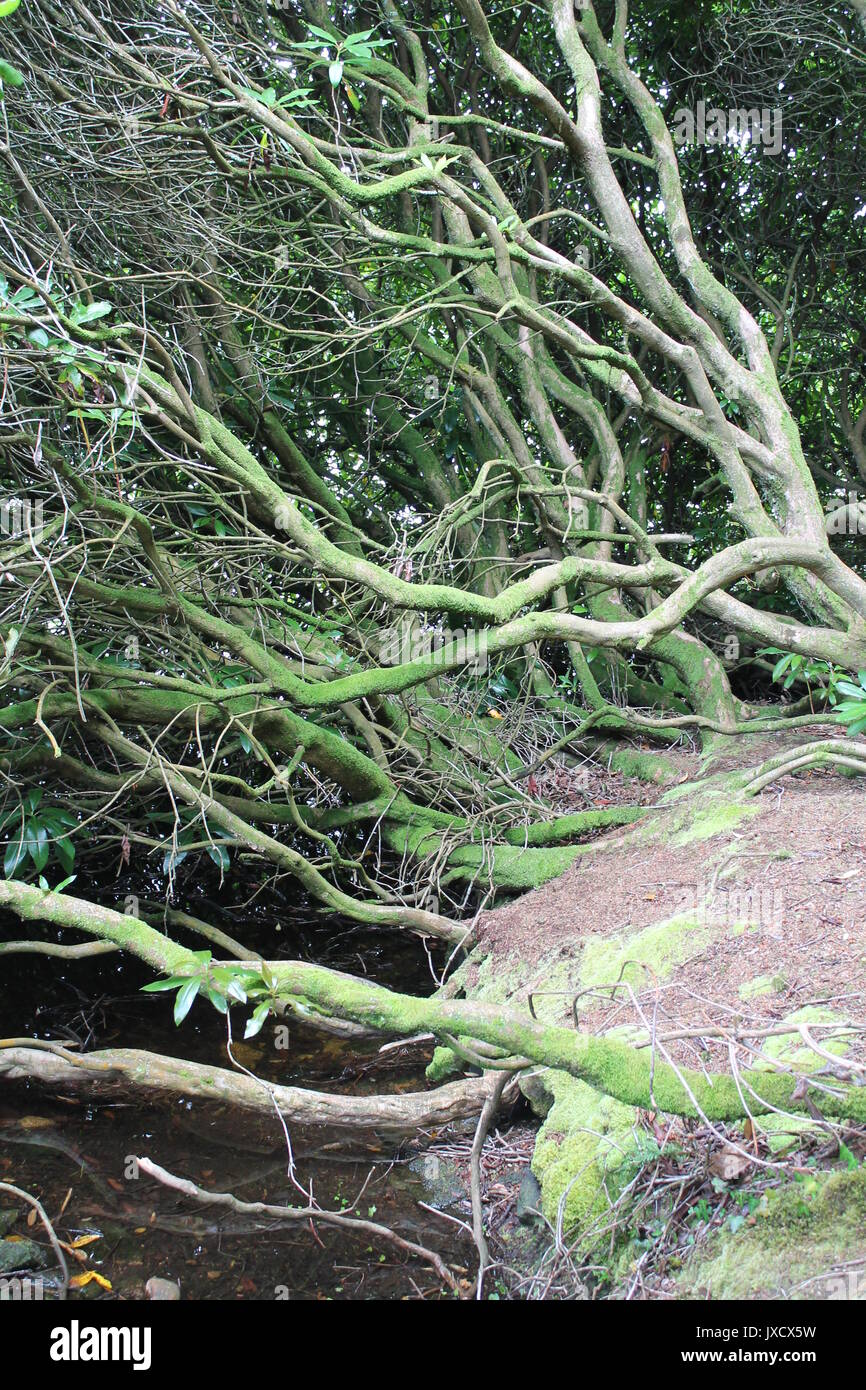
(75, 1157)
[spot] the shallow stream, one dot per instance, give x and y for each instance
(74, 1156)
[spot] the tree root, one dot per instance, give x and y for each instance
(125, 1071)
(838, 752)
(633, 1076)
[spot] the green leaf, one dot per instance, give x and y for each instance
(65, 852)
(86, 313)
(782, 666)
(219, 1003)
(8, 7)
(170, 858)
(15, 852)
(255, 1022)
(10, 75)
(38, 846)
(172, 982)
(299, 97)
(220, 856)
(185, 1000)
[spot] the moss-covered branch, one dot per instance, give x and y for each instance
(632, 1076)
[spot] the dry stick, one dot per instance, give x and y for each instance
(53, 948)
(489, 1109)
(356, 1224)
(45, 1045)
(34, 1202)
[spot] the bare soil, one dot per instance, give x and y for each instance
(797, 870)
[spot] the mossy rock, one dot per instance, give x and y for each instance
(21, 1254)
(584, 1153)
(792, 1251)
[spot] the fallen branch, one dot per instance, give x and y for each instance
(356, 1224)
(128, 1071)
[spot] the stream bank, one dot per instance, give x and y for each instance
(75, 1155)
(724, 930)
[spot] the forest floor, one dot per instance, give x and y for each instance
(713, 914)
(797, 870)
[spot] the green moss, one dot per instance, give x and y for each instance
(443, 1064)
(801, 1232)
(786, 1132)
(761, 984)
(789, 1047)
(703, 821)
(647, 767)
(584, 1151)
(635, 958)
(513, 869)
(569, 827)
(589, 1145)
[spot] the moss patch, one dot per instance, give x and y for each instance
(762, 984)
(803, 1232)
(717, 818)
(585, 1150)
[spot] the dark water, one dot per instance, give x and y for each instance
(74, 1156)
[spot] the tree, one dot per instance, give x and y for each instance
(390, 428)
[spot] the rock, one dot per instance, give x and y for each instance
(7, 1221)
(443, 1186)
(529, 1200)
(162, 1290)
(21, 1254)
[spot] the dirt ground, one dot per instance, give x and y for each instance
(796, 870)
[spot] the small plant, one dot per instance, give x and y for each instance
(222, 985)
(821, 677)
(700, 1212)
(851, 711)
(34, 835)
(356, 49)
(190, 838)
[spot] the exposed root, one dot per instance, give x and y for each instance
(128, 1071)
